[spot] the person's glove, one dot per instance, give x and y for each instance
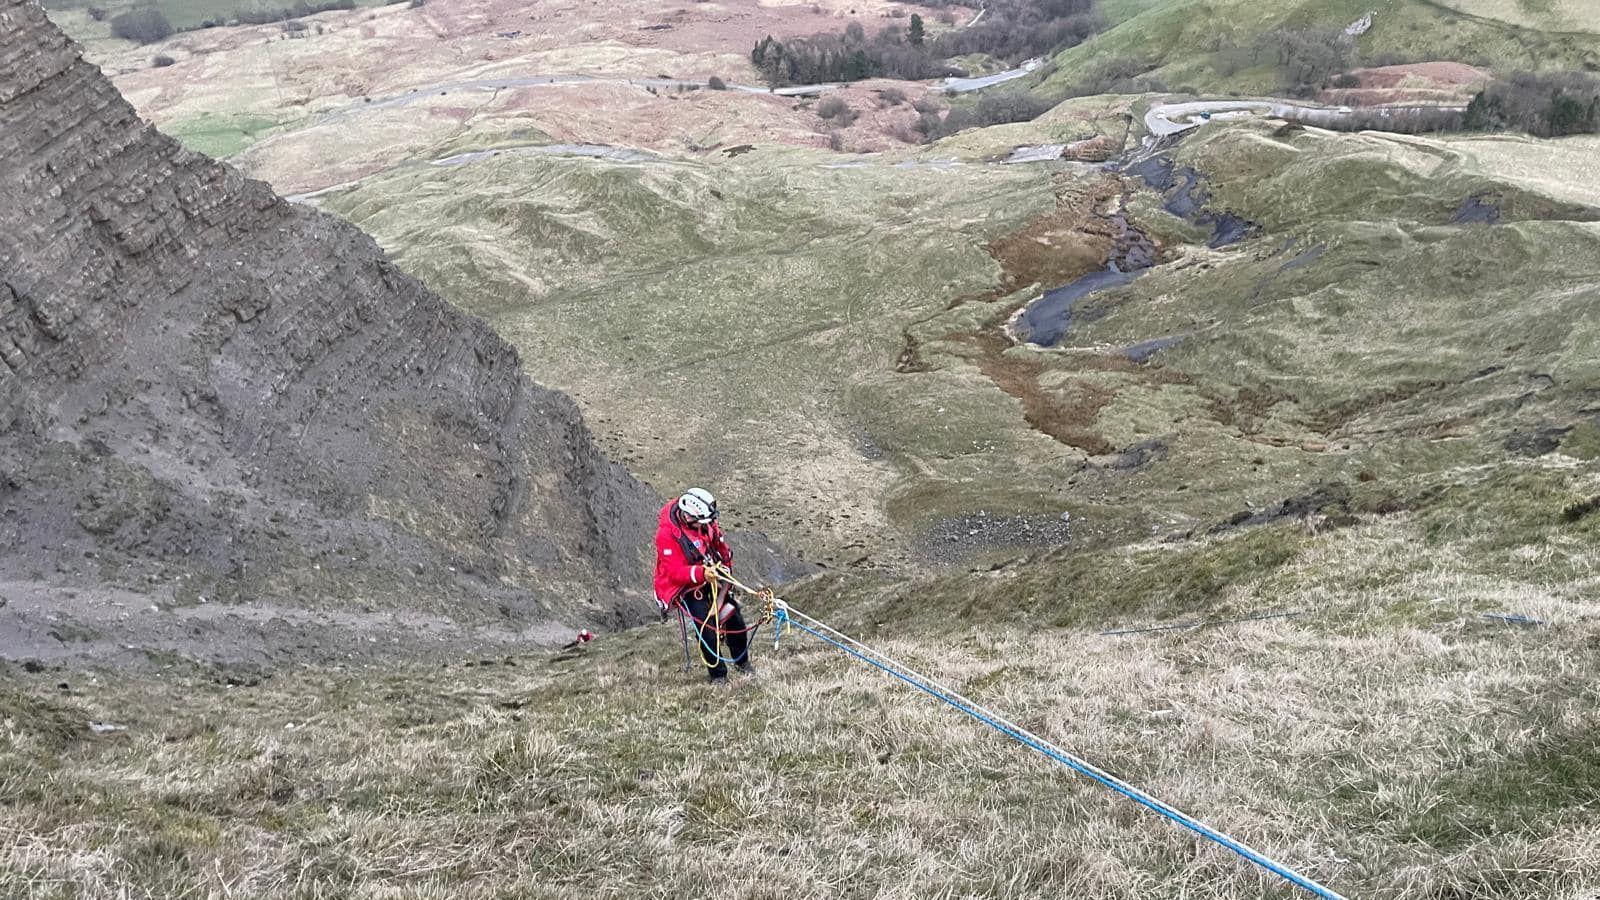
(662, 607)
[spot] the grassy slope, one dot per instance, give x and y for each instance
(1390, 741)
(740, 319)
(1183, 35)
(613, 279)
(1115, 12)
(219, 125)
(182, 14)
(1550, 15)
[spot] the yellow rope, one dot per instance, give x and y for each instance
(716, 574)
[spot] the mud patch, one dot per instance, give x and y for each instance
(1071, 241)
(1136, 456)
(1046, 320)
(1069, 420)
(1536, 442)
(1248, 408)
(1087, 250)
(1330, 500)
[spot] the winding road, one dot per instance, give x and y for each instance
(1167, 119)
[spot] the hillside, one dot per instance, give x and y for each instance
(1258, 467)
(1218, 45)
(1256, 401)
(1377, 411)
(1389, 741)
(233, 428)
(1544, 15)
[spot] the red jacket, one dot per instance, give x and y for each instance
(680, 550)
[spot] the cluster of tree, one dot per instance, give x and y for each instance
(1392, 119)
(847, 56)
(1547, 104)
(1009, 29)
(1310, 58)
(300, 9)
(1014, 30)
(991, 108)
(145, 25)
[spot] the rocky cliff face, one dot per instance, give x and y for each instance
(232, 428)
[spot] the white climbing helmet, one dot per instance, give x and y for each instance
(698, 506)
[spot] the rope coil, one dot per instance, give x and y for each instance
(716, 574)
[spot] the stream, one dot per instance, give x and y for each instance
(1045, 321)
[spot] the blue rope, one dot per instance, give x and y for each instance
(1515, 618)
(1133, 794)
(700, 633)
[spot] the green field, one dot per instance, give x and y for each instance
(219, 137)
(1404, 401)
(182, 14)
(1206, 44)
(1552, 15)
(666, 297)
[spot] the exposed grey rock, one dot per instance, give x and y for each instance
(209, 391)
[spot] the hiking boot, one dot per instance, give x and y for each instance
(748, 670)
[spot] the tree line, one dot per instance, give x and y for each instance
(148, 24)
(847, 56)
(1546, 104)
(1010, 30)
(1014, 30)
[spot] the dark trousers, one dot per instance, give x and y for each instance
(734, 645)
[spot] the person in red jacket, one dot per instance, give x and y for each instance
(688, 539)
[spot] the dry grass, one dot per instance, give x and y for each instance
(1391, 742)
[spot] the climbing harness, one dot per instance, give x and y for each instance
(786, 619)
(718, 579)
